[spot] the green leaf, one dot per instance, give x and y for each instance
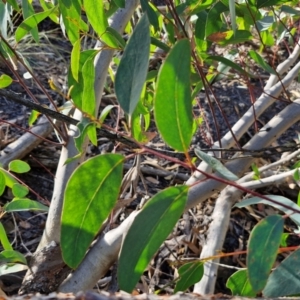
(132, 71)
(152, 16)
(116, 37)
(78, 86)
(31, 23)
(82, 126)
(75, 57)
(229, 63)
(11, 256)
(159, 44)
(214, 22)
(95, 12)
(28, 11)
(88, 93)
(18, 166)
(105, 112)
(240, 36)
(239, 284)
(267, 38)
(265, 23)
(24, 204)
(5, 81)
(71, 15)
(216, 165)
(90, 196)
(232, 15)
(266, 3)
(120, 3)
(262, 250)
(189, 274)
(9, 180)
(2, 183)
(33, 117)
(284, 237)
(173, 103)
(14, 4)
(256, 172)
(138, 126)
(260, 61)
(144, 238)
(290, 10)
(45, 4)
(4, 240)
(285, 279)
(279, 199)
(19, 190)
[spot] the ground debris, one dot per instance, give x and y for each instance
(125, 296)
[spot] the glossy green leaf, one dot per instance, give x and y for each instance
(189, 274)
(132, 71)
(96, 15)
(173, 103)
(19, 190)
(75, 57)
(216, 165)
(239, 284)
(260, 61)
(90, 196)
(19, 166)
(148, 231)
(31, 22)
(2, 183)
(5, 81)
(11, 256)
(285, 279)
(295, 216)
(262, 250)
(4, 240)
(24, 204)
